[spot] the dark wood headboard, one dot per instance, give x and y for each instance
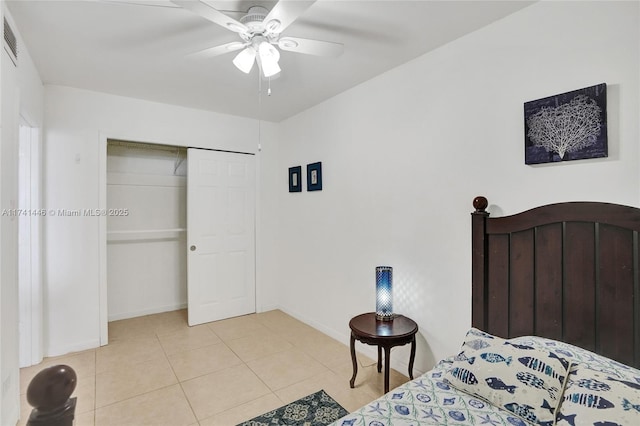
(566, 271)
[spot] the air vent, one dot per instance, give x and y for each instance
(10, 42)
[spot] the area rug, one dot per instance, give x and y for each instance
(317, 409)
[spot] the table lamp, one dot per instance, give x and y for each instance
(384, 297)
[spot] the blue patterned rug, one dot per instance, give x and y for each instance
(317, 409)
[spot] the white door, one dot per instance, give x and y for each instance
(220, 235)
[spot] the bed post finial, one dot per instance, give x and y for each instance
(480, 203)
(479, 291)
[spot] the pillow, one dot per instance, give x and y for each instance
(576, 355)
(593, 397)
(522, 379)
(478, 339)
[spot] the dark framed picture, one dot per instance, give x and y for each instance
(295, 179)
(314, 177)
(568, 126)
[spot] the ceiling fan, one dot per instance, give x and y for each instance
(260, 31)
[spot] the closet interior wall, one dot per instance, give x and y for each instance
(146, 229)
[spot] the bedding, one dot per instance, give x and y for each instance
(567, 385)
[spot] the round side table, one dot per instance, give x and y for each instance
(385, 335)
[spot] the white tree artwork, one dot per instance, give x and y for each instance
(566, 127)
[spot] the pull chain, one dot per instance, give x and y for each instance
(259, 111)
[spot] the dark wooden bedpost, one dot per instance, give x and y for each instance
(49, 393)
(478, 263)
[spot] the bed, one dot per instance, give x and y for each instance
(555, 333)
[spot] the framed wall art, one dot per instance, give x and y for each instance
(568, 126)
(295, 179)
(314, 177)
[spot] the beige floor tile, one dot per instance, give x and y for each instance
(335, 385)
(238, 327)
(168, 322)
(220, 391)
(305, 387)
(83, 363)
(345, 368)
(244, 412)
(254, 347)
(187, 339)
(85, 419)
(117, 354)
(369, 378)
(286, 368)
(280, 354)
(323, 348)
(131, 328)
(198, 362)
(167, 406)
(86, 394)
(132, 380)
(282, 323)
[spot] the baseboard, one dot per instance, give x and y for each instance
(77, 347)
(149, 311)
(267, 308)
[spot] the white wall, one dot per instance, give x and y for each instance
(76, 121)
(405, 153)
(22, 93)
(9, 233)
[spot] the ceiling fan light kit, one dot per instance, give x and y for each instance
(269, 57)
(245, 59)
(260, 30)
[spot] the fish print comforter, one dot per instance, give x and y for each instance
(595, 385)
(429, 400)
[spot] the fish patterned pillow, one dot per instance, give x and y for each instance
(478, 339)
(593, 397)
(576, 355)
(524, 380)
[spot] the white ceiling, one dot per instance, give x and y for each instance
(142, 50)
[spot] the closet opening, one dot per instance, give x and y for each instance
(146, 227)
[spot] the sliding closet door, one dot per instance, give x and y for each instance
(220, 235)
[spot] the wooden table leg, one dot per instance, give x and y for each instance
(379, 359)
(387, 362)
(353, 360)
(412, 357)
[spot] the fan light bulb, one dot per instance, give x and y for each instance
(245, 59)
(269, 57)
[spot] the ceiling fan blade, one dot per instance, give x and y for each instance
(208, 12)
(284, 13)
(310, 47)
(150, 3)
(219, 50)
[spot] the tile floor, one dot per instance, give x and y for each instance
(158, 371)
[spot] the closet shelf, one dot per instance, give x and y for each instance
(145, 235)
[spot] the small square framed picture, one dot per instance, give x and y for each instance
(314, 177)
(295, 179)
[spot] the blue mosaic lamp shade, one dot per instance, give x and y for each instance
(384, 293)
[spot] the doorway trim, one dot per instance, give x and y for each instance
(30, 292)
(103, 310)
